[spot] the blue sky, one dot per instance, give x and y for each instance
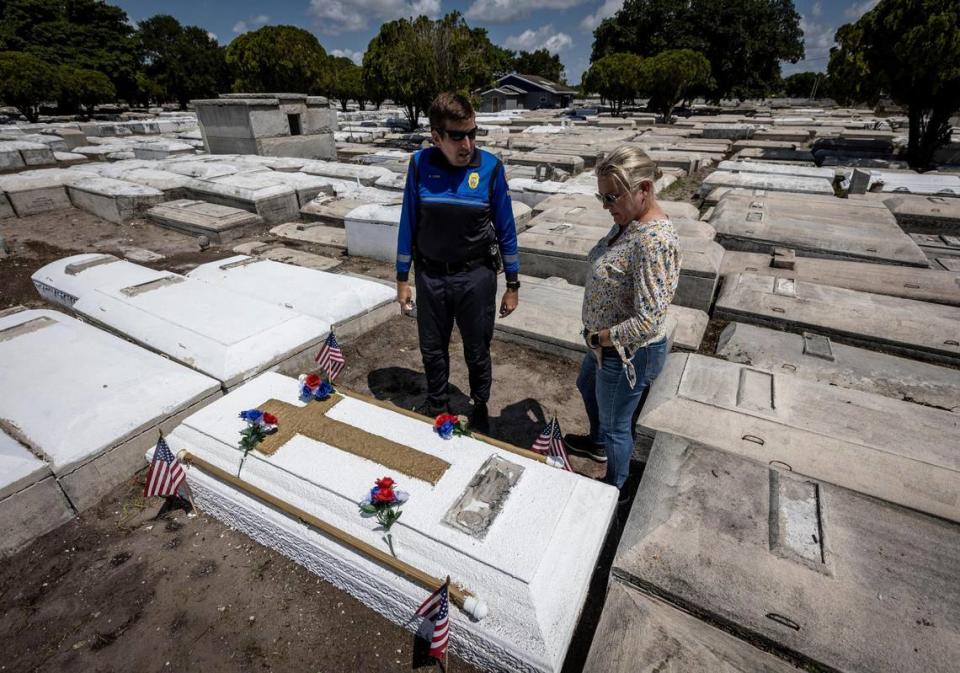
(562, 26)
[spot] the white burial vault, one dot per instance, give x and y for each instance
(226, 335)
(523, 539)
(351, 305)
(86, 402)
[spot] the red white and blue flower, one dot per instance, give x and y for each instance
(448, 425)
(315, 387)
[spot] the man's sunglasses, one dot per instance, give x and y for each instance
(457, 136)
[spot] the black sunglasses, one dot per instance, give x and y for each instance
(457, 136)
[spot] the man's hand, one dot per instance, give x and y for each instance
(404, 296)
(509, 302)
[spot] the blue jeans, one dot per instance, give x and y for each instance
(611, 403)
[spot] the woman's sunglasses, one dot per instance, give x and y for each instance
(609, 199)
(457, 136)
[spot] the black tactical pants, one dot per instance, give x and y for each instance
(469, 298)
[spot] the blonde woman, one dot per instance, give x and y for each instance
(633, 275)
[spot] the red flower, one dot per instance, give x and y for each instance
(443, 418)
(385, 482)
(313, 381)
(385, 495)
(269, 418)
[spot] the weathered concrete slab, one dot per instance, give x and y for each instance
(365, 175)
(834, 229)
(6, 210)
(31, 154)
(566, 162)
(914, 328)
(199, 218)
(524, 568)
(677, 209)
(639, 632)
(308, 187)
(333, 210)
(897, 451)
(372, 231)
(941, 184)
(89, 451)
(33, 192)
(261, 193)
(173, 185)
(551, 249)
(114, 200)
(312, 232)
(287, 255)
(841, 581)
(766, 181)
(350, 304)
(937, 245)
(814, 357)
(548, 319)
(934, 285)
(157, 150)
(925, 214)
(228, 336)
(597, 217)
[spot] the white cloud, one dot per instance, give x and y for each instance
(213, 36)
(250, 23)
(355, 56)
(817, 40)
(342, 16)
(858, 9)
(503, 11)
(542, 38)
(817, 9)
(606, 10)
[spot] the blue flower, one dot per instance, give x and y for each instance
(305, 393)
(251, 415)
(446, 430)
(324, 391)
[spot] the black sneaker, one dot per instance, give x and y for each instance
(582, 445)
(431, 409)
(479, 418)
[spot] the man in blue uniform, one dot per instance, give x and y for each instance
(456, 229)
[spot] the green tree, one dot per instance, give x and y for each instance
(411, 61)
(87, 34)
(184, 61)
(671, 76)
(347, 82)
(26, 82)
(910, 50)
(540, 62)
(279, 59)
(801, 84)
(744, 40)
(82, 89)
(617, 78)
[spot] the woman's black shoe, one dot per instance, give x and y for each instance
(582, 445)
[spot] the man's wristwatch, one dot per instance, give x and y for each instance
(513, 284)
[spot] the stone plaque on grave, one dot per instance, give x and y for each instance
(481, 502)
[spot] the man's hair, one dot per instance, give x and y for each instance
(449, 107)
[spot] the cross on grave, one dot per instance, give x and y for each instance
(312, 421)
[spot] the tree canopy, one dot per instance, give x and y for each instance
(617, 78)
(26, 81)
(744, 40)
(540, 62)
(910, 50)
(184, 62)
(800, 84)
(278, 59)
(346, 82)
(671, 76)
(412, 60)
(81, 89)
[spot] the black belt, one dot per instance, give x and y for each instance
(447, 268)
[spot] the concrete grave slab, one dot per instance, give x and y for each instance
(913, 328)
(768, 168)
(10, 159)
(6, 210)
(312, 232)
(89, 451)
(552, 249)
(31, 153)
(897, 451)
(114, 200)
(287, 255)
(333, 210)
(228, 336)
(548, 319)
(766, 181)
(199, 218)
(925, 214)
(834, 229)
(814, 357)
(173, 185)
(161, 149)
(365, 175)
(678, 209)
(941, 184)
(372, 231)
(263, 193)
(639, 632)
(938, 245)
(594, 217)
(786, 561)
(350, 304)
(33, 192)
(934, 285)
(534, 590)
(569, 163)
(31, 502)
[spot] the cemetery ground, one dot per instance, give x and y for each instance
(118, 589)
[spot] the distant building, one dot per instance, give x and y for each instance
(525, 92)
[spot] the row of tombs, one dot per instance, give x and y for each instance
(795, 497)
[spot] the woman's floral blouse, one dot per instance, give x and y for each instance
(632, 280)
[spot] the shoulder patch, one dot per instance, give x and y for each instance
(473, 180)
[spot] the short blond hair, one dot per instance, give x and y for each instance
(628, 166)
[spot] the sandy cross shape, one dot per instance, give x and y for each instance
(312, 421)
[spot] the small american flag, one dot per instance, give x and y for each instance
(550, 443)
(436, 608)
(330, 357)
(165, 474)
